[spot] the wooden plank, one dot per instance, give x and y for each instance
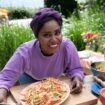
(84, 98)
(15, 91)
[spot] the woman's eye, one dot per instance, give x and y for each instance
(58, 32)
(46, 35)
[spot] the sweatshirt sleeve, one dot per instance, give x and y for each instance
(13, 69)
(73, 66)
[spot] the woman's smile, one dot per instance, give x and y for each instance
(54, 46)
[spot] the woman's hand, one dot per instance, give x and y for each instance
(86, 64)
(76, 85)
(99, 80)
(3, 96)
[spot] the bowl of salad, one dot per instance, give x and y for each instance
(98, 69)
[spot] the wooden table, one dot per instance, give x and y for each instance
(85, 98)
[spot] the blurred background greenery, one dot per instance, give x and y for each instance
(79, 17)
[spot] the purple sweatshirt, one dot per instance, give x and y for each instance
(29, 59)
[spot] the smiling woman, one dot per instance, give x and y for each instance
(49, 55)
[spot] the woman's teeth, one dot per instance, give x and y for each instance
(53, 46)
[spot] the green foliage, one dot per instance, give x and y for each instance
(99, 3)
(20, 13)
(95, 20)
(65, 7)
(73, 31)
(11, 36)
(91, 20)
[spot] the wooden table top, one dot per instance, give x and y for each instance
(80, 99)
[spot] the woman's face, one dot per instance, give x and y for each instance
(50, 37)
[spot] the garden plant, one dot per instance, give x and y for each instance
(91, 19)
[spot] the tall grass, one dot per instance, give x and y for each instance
(73, 31)
(11, 36)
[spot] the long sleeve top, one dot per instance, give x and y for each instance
(28, 58)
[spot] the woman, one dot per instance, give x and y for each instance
(49, 55)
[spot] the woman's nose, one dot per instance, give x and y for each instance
(53, 38)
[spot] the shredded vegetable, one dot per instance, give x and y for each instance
(46, 92)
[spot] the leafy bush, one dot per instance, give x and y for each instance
(11, 36)
(91, 20)
(20, 13)
(65, 7)
(73, 29)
